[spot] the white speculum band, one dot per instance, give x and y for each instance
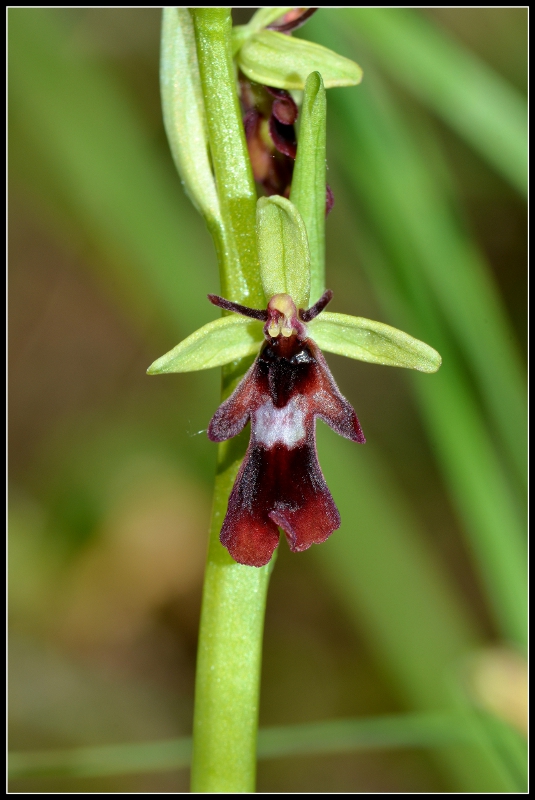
(284, 425)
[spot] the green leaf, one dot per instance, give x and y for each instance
(183, 110)
(308, 181)
(367, 340)
(283, 250)
(275, 59)
(219, 342)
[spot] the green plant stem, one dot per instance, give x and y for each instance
(229, 656)
(230, 645)
(232, 618)
(240, 276)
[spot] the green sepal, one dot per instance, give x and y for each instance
(367, 340)
(183, 111)
(308, 180)
(283, 250)
(274, 59)
(261, 19)
(215, 344)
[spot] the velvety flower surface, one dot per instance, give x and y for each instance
(280, 482)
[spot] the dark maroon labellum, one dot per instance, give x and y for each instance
(280, 482)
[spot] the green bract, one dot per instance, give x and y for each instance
(308, 180)
(283, 250)
(274, 59)
(215, 344)
(183, 110)
(367, 340)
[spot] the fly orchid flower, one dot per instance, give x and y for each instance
(280, 483)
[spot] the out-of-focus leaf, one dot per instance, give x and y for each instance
(433, 263)
(393, 587)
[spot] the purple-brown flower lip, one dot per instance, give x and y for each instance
(280, 482)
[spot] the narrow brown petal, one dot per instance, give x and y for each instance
(232, 415)
(293, 20)
(259, 152)
(284, 107)
(329, 200)
(228, 305)
(283, 137)
(317, 308)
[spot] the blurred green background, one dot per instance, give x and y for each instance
(110, 471)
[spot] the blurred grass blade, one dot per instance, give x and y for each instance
(478, 103)
(308, 181)
(118, 759)
(80, 145)
(412, 214)
(481, 493)
(316, 738)
(392, 585)
(389, 180)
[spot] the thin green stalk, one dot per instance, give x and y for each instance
(232, 619)
(240, 276)
(229, 657)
